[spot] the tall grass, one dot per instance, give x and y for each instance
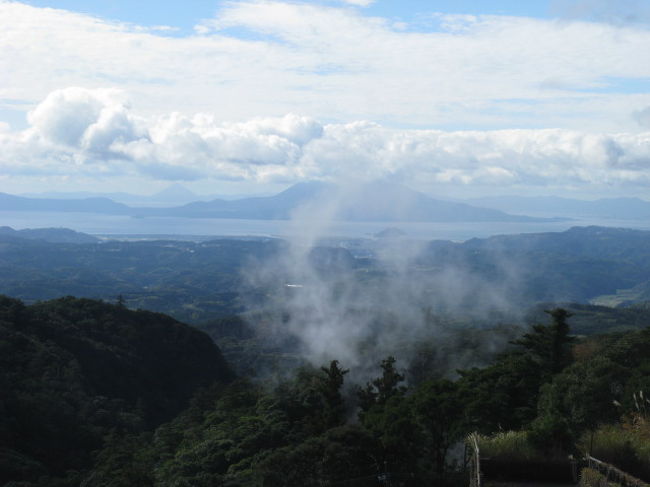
(625, 446)
(511, 446)
(593, 478)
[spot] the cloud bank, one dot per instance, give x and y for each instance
(95, 133)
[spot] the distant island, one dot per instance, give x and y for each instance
(52, 235)
(378, 201)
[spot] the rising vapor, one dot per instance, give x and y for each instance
(359, 310)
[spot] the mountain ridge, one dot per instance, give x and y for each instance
(609, 208)
(377, 201)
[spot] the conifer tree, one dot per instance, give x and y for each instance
(550, 345)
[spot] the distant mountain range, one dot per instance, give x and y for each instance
(176, 194)
(544, 206)
(379, 201)
(173, 195)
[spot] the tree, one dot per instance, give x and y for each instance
(337, 456)
(550, 345)
(580, 398)
(380, 390)
(502, 396)
(388, 415)
(440, 412)
(330, 387)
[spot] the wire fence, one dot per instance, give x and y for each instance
(613, 474)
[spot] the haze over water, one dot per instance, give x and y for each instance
(124, 226)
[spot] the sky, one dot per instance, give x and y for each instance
(455, 98)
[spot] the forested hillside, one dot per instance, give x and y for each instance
(96, 396)
(318, 429)
(350, 364)
(74, 372)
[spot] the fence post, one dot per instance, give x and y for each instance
(475, 473)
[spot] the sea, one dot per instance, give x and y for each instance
(127, 227)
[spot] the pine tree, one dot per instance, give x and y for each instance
(550, 345)
(331, 383)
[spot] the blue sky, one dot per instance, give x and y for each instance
(184, 15)
(188, 13)
(462, 97)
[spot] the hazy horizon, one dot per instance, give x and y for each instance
(183, 187)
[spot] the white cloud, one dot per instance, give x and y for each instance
(214, 104)
(621, 12)
(94, 133)
(339, 64)
(89, 120)
(507, 157)
(359, 3)
(643, 117)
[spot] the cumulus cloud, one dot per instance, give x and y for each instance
(96, 127)
(528, 157)
(258, 149)
(86, 120)
(95, 132)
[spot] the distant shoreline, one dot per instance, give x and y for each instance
(179, 228)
